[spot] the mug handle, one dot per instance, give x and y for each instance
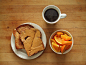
(63, 16)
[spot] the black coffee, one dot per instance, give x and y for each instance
(51, 15)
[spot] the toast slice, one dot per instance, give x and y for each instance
(23, 27)
(18, 43)
(27, 38)
(16, 32)
(37, 44)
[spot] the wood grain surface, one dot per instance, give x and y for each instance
(15, 12)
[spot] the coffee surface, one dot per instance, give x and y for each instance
(51, 15)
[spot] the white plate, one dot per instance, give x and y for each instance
(21, 52)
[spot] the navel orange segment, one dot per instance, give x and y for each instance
(66, 42)
(63, 49)
(65, 37)
(58, 39)
(55, 47)
(62, 41)
(67, 47)
(52, 40)
(59, 33)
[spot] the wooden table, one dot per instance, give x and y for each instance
(16, 12)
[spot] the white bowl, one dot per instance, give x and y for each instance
(64, 32)
(21, 52)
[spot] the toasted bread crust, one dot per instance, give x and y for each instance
(30, 26)
(14, 32)
(18, 42)
(23, 27)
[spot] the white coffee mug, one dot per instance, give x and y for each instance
(57, 9)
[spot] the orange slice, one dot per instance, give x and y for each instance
(58, 39)
(62, 41)
(66, 42)
(65, 37)
(59, 33)
(55, 47)
(63, 48)
(52, 40)
(67, 47)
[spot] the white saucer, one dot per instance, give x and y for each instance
(21, 52)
